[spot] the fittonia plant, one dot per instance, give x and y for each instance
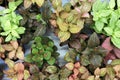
(107, 19)
(43, 51)
(10, 22)
(69, 19)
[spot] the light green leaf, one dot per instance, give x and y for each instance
(104, 20)
(6, 25)
(116, 41)
(113, 20)
(99, 5)
(8, 38)
(20, 30)
(112, 4)
(15, 34)
(14, 26)
(118, 23)
(5, 33)
(6, 11)
(99, 26)
(108, 30)
(118, 3)
(12, 6)
(104, 13)
(117, 34)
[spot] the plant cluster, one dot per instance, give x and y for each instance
(28, 3)
(69, 19)
(16, 71)
(9, 23)
(11, 50)
(106, 16)
(43, 50)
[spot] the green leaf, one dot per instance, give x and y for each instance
(113, 20)
(104, 13)
(118, 23)
(51, 61)
(8, 38)
(5, 33)
(112, 4)
(93, 41)
(20, 30)
(6, 25)
(108, 30)
(6, 11)
(49, 49)
(14, 26)
(28, 58)
(12, 6)
(117, 34)
(39, 17)
(51, 43)
(118, 3)
(51, 69)
(99, 26)
(47, 55)
(15, 34)
(35, 51)
(104, 20)
(37, 58)
(37, 39)
(116, 41)
(115, 62)
(99, 5)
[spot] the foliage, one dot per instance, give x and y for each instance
(10, 22)
(106, 17)
(16, 71)
(11, 50)
(68, 21)
(43, 50)
(28, 3)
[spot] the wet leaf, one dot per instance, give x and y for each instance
(63, 36)
(93, 40)
(51, 69)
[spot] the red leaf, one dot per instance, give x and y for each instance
(117, 52)
(107, 45)
(109, 56)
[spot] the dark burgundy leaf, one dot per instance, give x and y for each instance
(117, 52)
(93, 40)
(75, 44)
(109, 56)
